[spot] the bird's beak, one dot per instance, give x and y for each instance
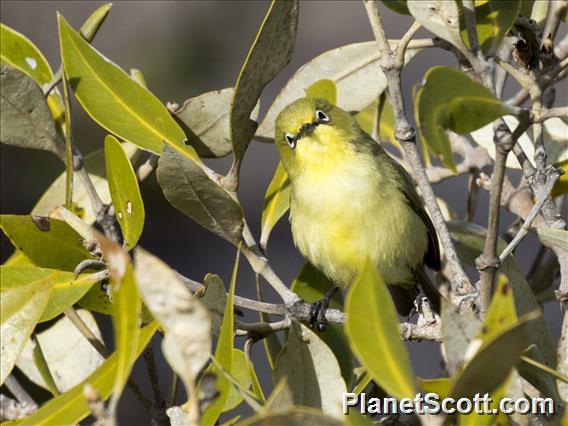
(307, 129)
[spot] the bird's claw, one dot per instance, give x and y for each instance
(88, 264)
(317, 318)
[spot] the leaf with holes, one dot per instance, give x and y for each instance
(124, 191)
(48, 242)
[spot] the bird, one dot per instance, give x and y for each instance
(352, 202)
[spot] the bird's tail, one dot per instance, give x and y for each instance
(428, 287)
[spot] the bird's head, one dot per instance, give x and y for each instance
(309, 131)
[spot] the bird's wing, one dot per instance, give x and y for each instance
(432, 256)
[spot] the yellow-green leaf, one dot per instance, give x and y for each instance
(126, 307)
(323, 89)
(91, 26)
(23, 298)
(124, 191)
(446, 97)
(224, 355)
(501, 313)
(271, 51)
(113, 99)
(276, 203)
(19, 52)
(561, 185)
(398, 6)
(493, 362)
(379, 116)
(373, 331)
(190, 190)
(494, 19)
(48, 242)
(312, 285)
(296, 416)
(71, 407)
(243, 372)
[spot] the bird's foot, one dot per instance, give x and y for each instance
(317, 311)
(88, 264)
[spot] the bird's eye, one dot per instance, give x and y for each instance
(322, 116)
(291, 139)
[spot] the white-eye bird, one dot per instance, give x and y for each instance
(351, 201)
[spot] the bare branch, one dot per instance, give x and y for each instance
(488, 262)
(552, 178)
(406, 136)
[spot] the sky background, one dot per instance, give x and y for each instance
(187, 48)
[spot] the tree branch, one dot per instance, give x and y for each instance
(406, 136)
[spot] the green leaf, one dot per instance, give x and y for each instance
(25, 117)
(379, 116)
(441, 103)
(398, 6)
(493, 362)
(124, 191)
(323, 89)
(312, 285)
(23, 299)
(185, 320)
(66, 289)
(214, 299)
(271, 51)
(494, 19)
(532, 368)
(459, 330)
(91, 26)
(96, 300)
(224, 355)
(48, 242)
(311, 370)
(19, 52)
(127, 308)
(68, 355)
(205, 121)
(373, 331)
(71, 407)
(353, 68)
(440, 17)
(113, 99)
(553, 236)
(190, 190)
(440, 386)
(241, 373)
(42, 367)
(470, 239)
(276, 203)
(501, 313)
(54, 196)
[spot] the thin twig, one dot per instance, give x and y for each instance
(84, 329)
(19, 392)
(488, 262)
(406, 136)
(553, 177)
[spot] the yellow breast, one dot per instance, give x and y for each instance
(342, 212)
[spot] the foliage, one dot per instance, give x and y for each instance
(93, 216)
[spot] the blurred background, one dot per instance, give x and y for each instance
(185, 48)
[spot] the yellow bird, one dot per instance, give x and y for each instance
(351, 201)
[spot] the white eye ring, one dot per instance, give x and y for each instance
(291, 139)
(322, 116)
